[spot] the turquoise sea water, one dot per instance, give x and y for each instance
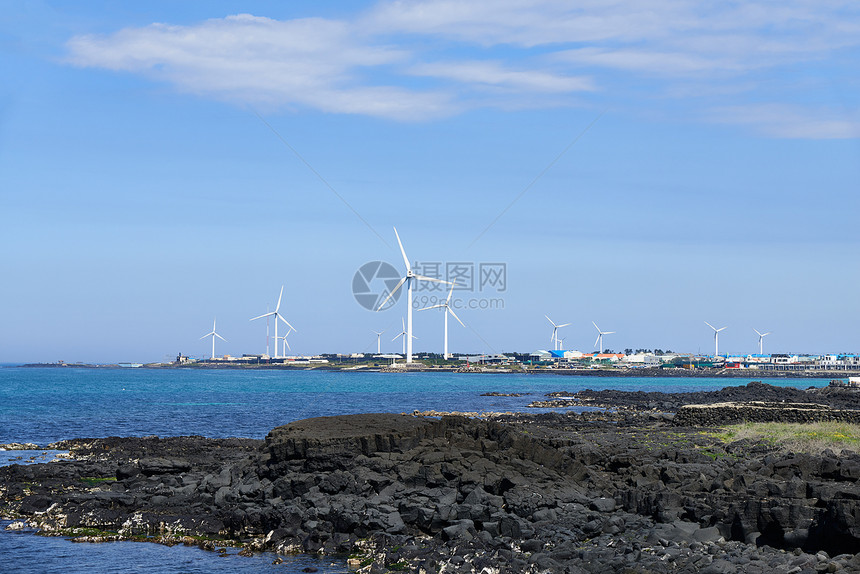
(43, 405)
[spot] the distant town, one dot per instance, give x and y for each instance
(629, 362)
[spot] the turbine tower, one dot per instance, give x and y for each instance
(213, 334)
(760, 343)
(378, 335)
(405, 335)
(276, 316)
(600, 334)
(447, 306)
(555, 328)
(284, 339)
(716, 338)
(409, 279)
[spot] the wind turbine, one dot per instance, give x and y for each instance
(277, 316)
(760, 343)
(213, 334)
(405, 335)
(555, 329)
(600, 334)
(716, 338)
(409, 279)
(284, 339)
(378, 335)
(447, 306)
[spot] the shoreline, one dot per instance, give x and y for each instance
(417, 368)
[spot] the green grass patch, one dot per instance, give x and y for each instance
(95, 480)
(812, 438)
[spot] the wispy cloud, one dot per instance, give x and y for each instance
(791, 122)
(313, 63)
(495, 74)
(422, 59)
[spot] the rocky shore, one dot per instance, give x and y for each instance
(624, 491)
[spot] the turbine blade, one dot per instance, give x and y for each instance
(206, 335)
(220, 337)
(711, 326)
(564, 325)
(261, 316)
(720, 329)
(607, 332)
(288, 325)
(393, 291)
(423, 278)
(402, 251)
(403, 324)
(597, 340)
(433, 307)
(278, 306)
(550, 320)
(595, 326)
(398, 336)
(757, 333)
(455, 316)
(287, 343)
(766, 334)
(451, 292)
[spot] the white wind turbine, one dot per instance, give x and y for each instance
(716, 338)
(284, 339)
(600, 334)
(555, 328)
(213, 334)
(409, 279)
(277, 316)
(378, 335)
(405, 336)
(760, 343)
(447, 306)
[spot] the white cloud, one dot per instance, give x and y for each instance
(792, 122)
(423, 59)
(310, 62)
(655, 63)
(527, 22)
(478, 73)
(660, 37)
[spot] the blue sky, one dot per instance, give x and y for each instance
(655, 164)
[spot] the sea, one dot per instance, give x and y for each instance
(43, 405)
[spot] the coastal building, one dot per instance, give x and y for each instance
(494, 359)
(839, 362)
(607, 357)
(642, 360)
